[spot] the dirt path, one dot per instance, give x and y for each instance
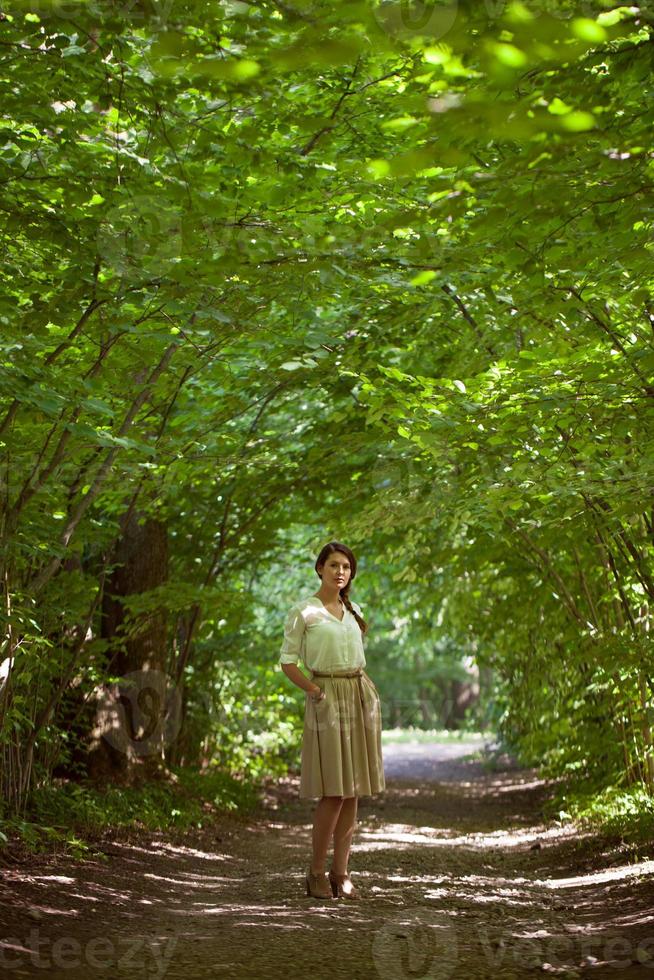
(453, 882)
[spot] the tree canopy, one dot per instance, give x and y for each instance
(277, 272)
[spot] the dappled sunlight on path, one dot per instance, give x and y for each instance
(459, 877)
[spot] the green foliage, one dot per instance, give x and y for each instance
(70, 815)
(237, 717)
(277, 273)
(612, 810)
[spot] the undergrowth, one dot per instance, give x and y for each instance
(68, 815)
(615, 811)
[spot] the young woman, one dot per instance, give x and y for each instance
(341, 743)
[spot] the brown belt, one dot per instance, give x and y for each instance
(328, 673)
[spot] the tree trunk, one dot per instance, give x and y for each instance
(137, 715)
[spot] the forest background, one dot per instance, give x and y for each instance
(282, 272)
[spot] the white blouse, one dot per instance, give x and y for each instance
(319, 639)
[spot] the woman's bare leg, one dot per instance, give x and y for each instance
(343, 832)
(325, 817)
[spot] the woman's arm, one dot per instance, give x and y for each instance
(291, 652)
(295, 675)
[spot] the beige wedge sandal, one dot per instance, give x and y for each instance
(342, 886)
(318, 885)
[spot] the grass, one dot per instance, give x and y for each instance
(69, 815)
(618, 812)
(445, 736)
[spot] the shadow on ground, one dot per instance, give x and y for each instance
(459, 875)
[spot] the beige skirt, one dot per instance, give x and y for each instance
(341, 742)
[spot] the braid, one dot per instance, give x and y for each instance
(346, 599)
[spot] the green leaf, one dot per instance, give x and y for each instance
(422, 278)
(588, 30)
(578, 121)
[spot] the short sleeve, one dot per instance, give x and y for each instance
(292, 648)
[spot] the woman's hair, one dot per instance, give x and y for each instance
(344, 593)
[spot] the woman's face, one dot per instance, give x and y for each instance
(336, 570)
